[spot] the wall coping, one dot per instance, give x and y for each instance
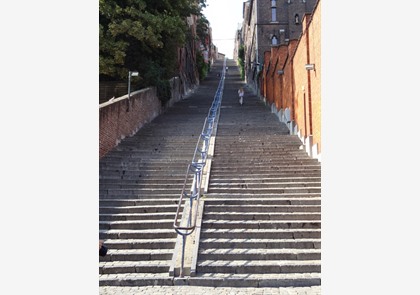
(111, 101)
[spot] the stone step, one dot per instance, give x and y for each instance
(143, 174)
(268, 180)
(116, 195)
(118, 267)
(282, 190)
(137, 202)
(260, 208)
(246, 195)
(117, 255)
(263, 174)
(150, 165)
(264, 201)
(133, 185)
(136, 279)
(140, 244)
(276, 280)
(134, 224)
(140, 209)
(259, 254)
(135, 216)
(249, 184)
(259, 267)
(240, 161)
(112, 178)
(140, 192)
(272, 167)
(261, 224)
(262, 216)
(137, 234)
(253, 243)
(207, 233)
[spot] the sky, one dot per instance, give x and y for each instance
(224, 17)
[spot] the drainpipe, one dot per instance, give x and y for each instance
(309, 78)
(256, 47)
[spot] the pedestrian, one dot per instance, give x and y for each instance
(241, 95)
(102, 248)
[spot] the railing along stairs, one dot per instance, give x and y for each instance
(185, 222)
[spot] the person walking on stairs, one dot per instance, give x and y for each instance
(241, 95)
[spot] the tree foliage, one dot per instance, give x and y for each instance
(143, 36)
(241, 59)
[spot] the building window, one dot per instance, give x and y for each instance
(273, 14)
(296, 19)
(274, 40)
(273, 10)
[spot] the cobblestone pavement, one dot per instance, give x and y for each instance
(193, 290)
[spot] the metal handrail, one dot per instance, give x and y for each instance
(196, 167)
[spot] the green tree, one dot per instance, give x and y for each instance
(241, 60)
(142, 35)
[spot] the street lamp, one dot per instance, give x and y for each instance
(130, 74)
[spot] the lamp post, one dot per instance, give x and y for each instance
(130, 74)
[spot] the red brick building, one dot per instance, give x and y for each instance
(286, 71)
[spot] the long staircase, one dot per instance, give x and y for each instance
(261, 222)
(139, 186)
(261, 225)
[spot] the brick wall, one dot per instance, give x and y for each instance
(116, 123)
(298, 89)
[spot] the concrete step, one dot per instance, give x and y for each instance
(262, 201)
(239, 160)
(261, 224)
(141, 179)
(115, 195)
(259, 267)
(142, 175)
(118, 267)
(136, 216)
(140, 224)
(136, 279)
(207, 233)
(137, 202)
(272, 167)
(133, 185)
(262, 215)
(283, 190)
(140, 192)
(256, 280)
(250, 184)
(258, 254)
(260, 243)
(117, 255)
(267, 180)
(140, 244)
(246, 195)
(140, 209)
(263, 174)
(137, 234)
(261, 208)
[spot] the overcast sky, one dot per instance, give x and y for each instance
(224, 16)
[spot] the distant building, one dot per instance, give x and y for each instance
(268, 23)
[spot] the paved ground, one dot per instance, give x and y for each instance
(192, 290)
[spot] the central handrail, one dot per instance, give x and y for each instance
(196, 168)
